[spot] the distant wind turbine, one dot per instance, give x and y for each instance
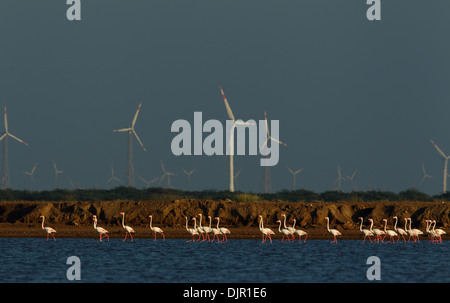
(294, 174)
(131, 132)
(188, 174)
(113, 177)
(231, 142)
(165, 173)
(31, 174)
(339, 179)
(445, 165)
(57, 172)
(6, 180)
(267, 179)
(350, 178)
(236, 175)
(425, 175)
(148, 183)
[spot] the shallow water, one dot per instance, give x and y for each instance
(237, 261)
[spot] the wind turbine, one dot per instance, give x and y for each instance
(188, 174)
(166, 173)
(445, 165)
(350, 178)
(31, 174)
(113, 177)
(339, 179)
(267, 179)
(148, 183)
(131, 132)
(236, 175)
(425, 175)
(294, 173)
(6, 180)
(231, 142)
(57, 172)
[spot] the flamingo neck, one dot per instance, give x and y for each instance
(151, 219)
(123, 220)
(434, 226)
(218, 223)
(385, 223)
(360, 227)
(195, 223)
(395, 225)
(410, 224)
(261, 226)
(186, 223)
(279, 227)
(43, 219)
(406, 222)
(95, 223)
(293, 226)
(200, 221)
(210, 222)
(285, 222)
(328, 224)
(371, 225)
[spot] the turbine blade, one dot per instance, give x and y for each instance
(3, 136)
(142, 145)
(278, 141)
(163, 168)
(20, 140)
(123, 130)
(227, 106)
(290, 170)
(438, 149)
(136, 115)
(154, 180)
(267, 124)
(34, 168)
(298, 171)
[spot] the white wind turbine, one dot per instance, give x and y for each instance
(294, 174)
(350, 178)
(148, 183)
(6, 180)
(445, 165)
(166, 173)
(231, 142)
(339, 179)
(131, 132)
(267, 179)
(57, 172)
(425, 175)
(188, 174)
(31, 174)
(113, 177)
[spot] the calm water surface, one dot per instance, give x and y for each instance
(238, 261)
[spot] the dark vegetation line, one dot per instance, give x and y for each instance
(157, 193)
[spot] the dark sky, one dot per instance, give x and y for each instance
(367, 95)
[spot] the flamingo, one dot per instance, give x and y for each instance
(206, 229)
(128, 229)
(377, 232)
(223, 230)
(156, 229)
(400, 231)
(291, 229)
(200, 230)
(432, 233)
(439, 231)
(334, 232)
(437, 235)
(192, 231)
(284, 231)
(216, 231)
(102, 232)
(265, 231)
(365, 232)
(389, 232)
(414, 232)
(48, 230)
(300, 233)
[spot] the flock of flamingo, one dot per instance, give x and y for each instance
(202, 233)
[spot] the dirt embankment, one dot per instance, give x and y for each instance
(74, 219)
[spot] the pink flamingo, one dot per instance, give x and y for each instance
(389, 232)
(128, 229)
(286, 233)
(365, 232)
(223, 230)
(48, 230)
(156, 229)
(192, 231)
(266, 232)
(300, 233)
(102, 232)
(400, 231)
(334, 232)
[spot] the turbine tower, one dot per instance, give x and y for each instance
(57, 172)
(267, 179)
(337, 182)
(231, 143)
(6, 180)
(131, 132)
(445, 165)
(166, 173)
(31, 174)
(294, 173)
(188, 174)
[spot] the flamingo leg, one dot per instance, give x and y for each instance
(306, 236)
(53, 236)
(131, 237)
(47, 236)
